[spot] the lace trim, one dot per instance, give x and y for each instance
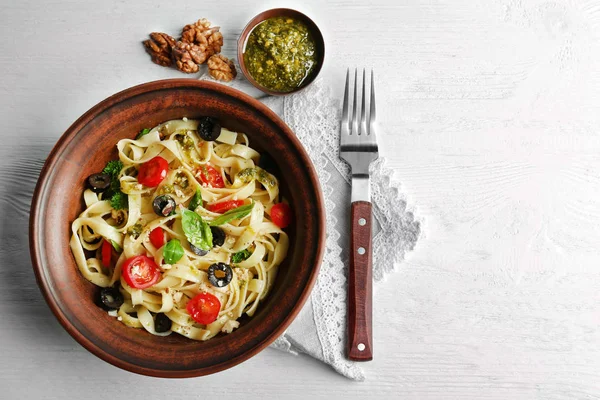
(399, 228)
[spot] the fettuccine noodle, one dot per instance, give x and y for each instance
(128, 230)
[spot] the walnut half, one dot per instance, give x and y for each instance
(187, 56)
(221, 68)
(191, 32)
(159, 47)
(201, 33)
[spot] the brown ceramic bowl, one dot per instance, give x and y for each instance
(281, 12)
(88, 145)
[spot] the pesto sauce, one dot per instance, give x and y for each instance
(166, 189)
(280, 53)
(186, 142)
(181, 180)
(248, 174)
(135, 230)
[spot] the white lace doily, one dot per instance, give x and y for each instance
(319, 330)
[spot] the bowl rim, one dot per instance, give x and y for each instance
(263, 16)
(37, 252)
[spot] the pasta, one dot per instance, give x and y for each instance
(220, 195)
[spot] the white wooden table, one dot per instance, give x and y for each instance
(491, 109)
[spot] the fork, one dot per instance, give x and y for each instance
(358, 147)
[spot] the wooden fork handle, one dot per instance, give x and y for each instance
(360, 284)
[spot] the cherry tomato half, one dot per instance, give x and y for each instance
(153, 172)
(106, 253)
(281, 215)
(223, 206)
(209, 175)
(140, 272)
(157, 237)
(204, 308)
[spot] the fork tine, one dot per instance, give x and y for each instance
(372, 111)
(346, 106)
(363, 106)
(354, 130)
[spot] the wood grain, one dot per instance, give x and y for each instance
(359, 346)
(489, 114)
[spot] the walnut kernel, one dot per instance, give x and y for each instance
(221, 68)
(201, 32)
(215, 42)
(159, 47)
(187, 56)
(190, 32)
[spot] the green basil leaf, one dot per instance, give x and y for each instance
(143, 132)
(116, 246)
(172, 251)
(196, 200)
(240, 256)
(196, 230)
(236, 213)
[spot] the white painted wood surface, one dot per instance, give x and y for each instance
(491, 111)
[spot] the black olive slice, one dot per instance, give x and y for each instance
(162, 323)
(98, 182)
(220, 274)
(209, 128)
(218, 236)
(110, 298)
(163, 205)
(198, 251)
